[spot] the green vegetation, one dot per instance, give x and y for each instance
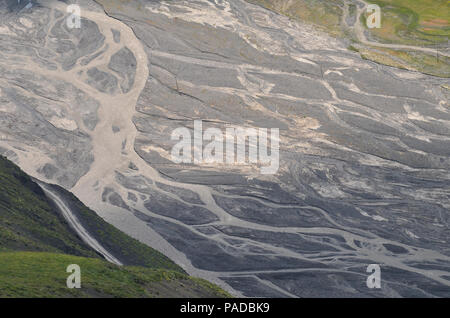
(31, 274)
(28, 221)
(411, 60)
(324, 14)
(420, 23)
(125, 248)
(37, 245)
(413, 22)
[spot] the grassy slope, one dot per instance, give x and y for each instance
(413, 22)
(32, 274)
(323, 13)
(37, 245)
(407, 22)
(28, 221)
(128, 250)
(423, 23)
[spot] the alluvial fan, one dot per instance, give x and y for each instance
(364, 149)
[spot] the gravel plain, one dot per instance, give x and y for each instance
(364, 148)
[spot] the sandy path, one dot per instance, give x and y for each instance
(76, 225)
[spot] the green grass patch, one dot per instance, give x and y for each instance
(34, 274)
(30, 222)
(413, 22)
(37, 245)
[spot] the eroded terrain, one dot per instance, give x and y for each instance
(364, 148)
